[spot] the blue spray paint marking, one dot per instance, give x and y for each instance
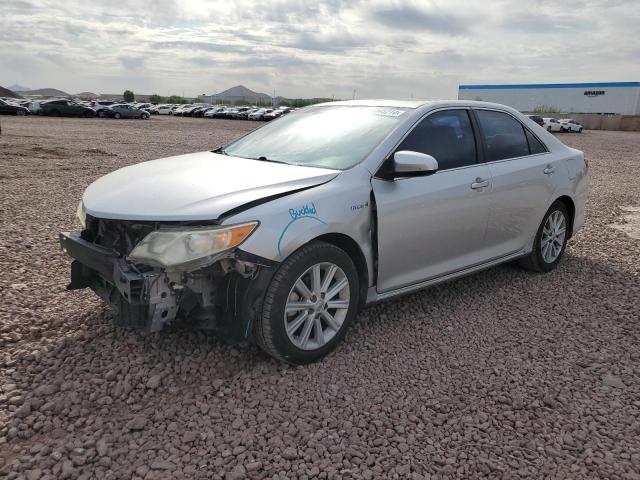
(307, 211)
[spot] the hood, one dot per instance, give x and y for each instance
(197, 186)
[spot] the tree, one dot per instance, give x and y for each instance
(155, 98)
(128, 96)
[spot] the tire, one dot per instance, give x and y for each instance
(20, 113)
(101, 113)
(580, 130)
(88, 115)
(270, 330)
(536, 260)
(548, 129)
(117, 115)
(145, 116)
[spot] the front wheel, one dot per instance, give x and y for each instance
(117, 115)
(309, 304)
(551, 240)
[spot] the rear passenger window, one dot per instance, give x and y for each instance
(535, 145)
(445, 135)
(503, 135)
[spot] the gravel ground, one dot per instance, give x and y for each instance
(504, 374)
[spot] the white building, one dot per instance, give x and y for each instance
(608, 97)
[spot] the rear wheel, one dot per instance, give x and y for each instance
(20, 112)
(117, 115)
(309, 304)
(551, 240)
(101, 113)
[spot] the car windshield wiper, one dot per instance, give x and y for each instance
(265, 159)
(221, 151)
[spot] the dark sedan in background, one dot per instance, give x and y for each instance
(11, 109)
(59, 108)
(126, 111)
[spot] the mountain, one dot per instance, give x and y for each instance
(18, 88)
(5, 92)
(87, 95)
(242, 92)
(46, 92)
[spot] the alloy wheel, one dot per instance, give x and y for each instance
(317, 306)
(553, 236)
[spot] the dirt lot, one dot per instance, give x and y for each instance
(504, 374)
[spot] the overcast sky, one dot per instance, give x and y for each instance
(320, 48)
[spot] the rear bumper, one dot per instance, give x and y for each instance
(224, 297)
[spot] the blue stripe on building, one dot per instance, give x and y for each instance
(549, 85)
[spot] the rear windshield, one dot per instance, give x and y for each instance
(336, 137)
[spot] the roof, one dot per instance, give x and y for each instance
(381, 103)
(414, 104)
(549, 85)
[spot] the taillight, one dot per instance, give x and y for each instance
(586, 162)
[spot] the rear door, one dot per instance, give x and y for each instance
(522, 172)
(434, 225)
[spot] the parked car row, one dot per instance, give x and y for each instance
(555, 125)
(70, 108)
(204, 110)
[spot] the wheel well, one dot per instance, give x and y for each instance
(571, 209)
(350, 246)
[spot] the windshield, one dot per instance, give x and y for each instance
(336, 137)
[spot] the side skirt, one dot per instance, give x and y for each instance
(373, 296)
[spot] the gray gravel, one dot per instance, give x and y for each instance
(505, 374)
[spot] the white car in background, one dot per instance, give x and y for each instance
(570, 125)
(34, 106)
(260, 113)
(552, 125)
(211, 113)
(164, 109)
(100, 105)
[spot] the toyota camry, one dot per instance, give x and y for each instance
(281, 236)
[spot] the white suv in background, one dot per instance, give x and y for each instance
(100, 105)
(552, 125)
(164, 109)
(570, 125)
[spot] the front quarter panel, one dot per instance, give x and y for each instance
(341, 206)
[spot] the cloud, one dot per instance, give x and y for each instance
(132, 62)
(410, 17)
(326, 43)
(380, 48)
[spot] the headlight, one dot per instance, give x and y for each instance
(191, 248)
(81, 213)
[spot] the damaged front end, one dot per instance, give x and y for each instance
(222, 293)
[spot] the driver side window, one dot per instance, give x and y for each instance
(447, 136)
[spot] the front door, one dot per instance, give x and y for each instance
(433, 225)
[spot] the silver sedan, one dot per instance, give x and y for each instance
(282, 235)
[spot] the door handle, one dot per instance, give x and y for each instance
(479, 184)
(549, 170)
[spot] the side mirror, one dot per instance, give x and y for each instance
(413, 164)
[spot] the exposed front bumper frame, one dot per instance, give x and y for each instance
(225, 297)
